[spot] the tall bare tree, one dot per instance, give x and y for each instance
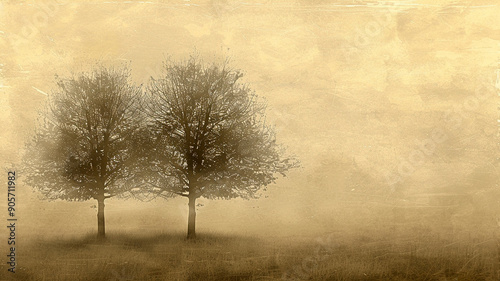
(83, 147)
(211, 137)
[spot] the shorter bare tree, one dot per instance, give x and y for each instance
(84, 145)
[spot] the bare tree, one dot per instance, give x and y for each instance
(211, 137)
(83, 147)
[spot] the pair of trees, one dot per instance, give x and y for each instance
(196, 131)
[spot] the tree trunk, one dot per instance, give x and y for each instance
(192, 218)
(101, 225)
(101, 230)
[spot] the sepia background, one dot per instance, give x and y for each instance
(391, 107)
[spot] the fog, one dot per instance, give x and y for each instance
(391, 107)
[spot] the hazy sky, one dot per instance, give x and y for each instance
(358, 90)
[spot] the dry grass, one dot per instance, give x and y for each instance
(416, 255)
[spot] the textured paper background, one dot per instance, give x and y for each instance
(353, 87)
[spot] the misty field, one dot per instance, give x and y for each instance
(417, 254)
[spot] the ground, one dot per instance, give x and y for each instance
(412, 255)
